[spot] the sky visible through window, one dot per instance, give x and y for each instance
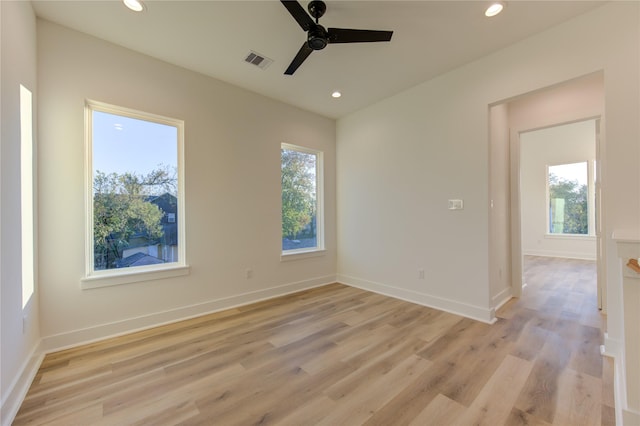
(571, 172)
(123, 144)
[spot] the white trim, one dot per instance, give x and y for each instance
(134, 275)
(470, 311)
(117, 328)
(116, 277)
(289, 255)
(615, 349)
(17, 391)
(570, 237)
(501, 298)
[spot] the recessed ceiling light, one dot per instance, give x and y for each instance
(336, 94)
(494, 9)
(135, 5)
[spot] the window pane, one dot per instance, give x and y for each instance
(135, 192)
(299, 200)
(568, 194)
(26, 193)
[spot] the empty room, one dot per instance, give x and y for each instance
(451, 236)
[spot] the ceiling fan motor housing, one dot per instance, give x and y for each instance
(317, 37)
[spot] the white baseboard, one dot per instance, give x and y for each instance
(100, 332)
(501, 298)
(474, 312)
(561, 254)
(624, 416)
(12, 400)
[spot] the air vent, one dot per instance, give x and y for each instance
(258, 60)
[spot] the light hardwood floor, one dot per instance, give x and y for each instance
(337, 355)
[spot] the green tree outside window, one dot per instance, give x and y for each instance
(568, 197)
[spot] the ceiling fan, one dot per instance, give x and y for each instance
(318, 37)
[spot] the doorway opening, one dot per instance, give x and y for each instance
(558, 205)
(538, 187)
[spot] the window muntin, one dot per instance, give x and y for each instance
(134, 182)
(568, 199)
(302, 199)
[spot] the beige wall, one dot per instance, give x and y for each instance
(232, 175)
(17, 345)
(415, 150)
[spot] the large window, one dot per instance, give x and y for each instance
(569, 199)
(135, 209)
(302, 212)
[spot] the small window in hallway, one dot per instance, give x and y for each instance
(568, 198)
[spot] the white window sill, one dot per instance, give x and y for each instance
(301, 254)
(570, 237)
(128, 276)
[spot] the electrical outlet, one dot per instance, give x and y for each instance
(421, 274)
(25, 321)
(248, 273)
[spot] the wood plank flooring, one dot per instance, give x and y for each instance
(338, 355)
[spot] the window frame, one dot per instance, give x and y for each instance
(319, 249)
(590, 203)
(109, 277)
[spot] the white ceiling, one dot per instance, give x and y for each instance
(213, 38)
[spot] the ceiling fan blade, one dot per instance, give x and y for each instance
(344, 35)
(303, 54)
(299, 14)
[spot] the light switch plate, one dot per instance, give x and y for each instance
(456, 204)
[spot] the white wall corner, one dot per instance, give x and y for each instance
(486, 315)
(117, 328)
(12, 400)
